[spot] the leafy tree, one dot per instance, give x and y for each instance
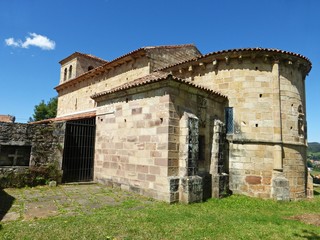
(45, 110)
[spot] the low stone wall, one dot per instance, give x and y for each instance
(24, 145)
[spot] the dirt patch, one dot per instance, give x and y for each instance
(313, 219)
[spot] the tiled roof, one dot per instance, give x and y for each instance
(75, 54)
(153, 78)
(89, 114)
(239, 50)
(136, 53)
(6, 118)
(153, 47)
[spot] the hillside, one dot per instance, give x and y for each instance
(313, 151)
(313, 147)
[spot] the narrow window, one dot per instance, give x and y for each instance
(65, 74)
(70, 72)
(229, 120)
(301, 127)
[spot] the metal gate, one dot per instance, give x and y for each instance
(78, 152)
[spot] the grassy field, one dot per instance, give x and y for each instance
(235, 217)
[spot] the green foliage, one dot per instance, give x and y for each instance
(314, 147)
(45, 110)
(32, 176)
(314, 151)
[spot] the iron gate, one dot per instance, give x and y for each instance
(78, 153)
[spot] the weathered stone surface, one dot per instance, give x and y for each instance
(253, 179)
(191, 189)
(280, 188)
(44, 140)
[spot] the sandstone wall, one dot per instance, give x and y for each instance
(80, 65)
(132, 144)
(268, 99)
(141, 138)
(76, 98)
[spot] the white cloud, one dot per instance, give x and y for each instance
(11, 42)
(35, 40)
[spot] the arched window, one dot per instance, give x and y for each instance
(65, 74)
(70, 71)
(90, 68)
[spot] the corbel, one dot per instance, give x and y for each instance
(202, 65)
(215, 63)
(227, 59)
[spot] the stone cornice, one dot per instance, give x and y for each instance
(254, 54)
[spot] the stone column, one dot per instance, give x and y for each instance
(215, 159)
(191, 185)
(280, 189)
(277, 129)
(220, 179)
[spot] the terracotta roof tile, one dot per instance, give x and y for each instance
(7, 118)
(239, 50)
(116, 61)
(75, 54)
(89, 114)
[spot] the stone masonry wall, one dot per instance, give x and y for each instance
(268, 99)
(46, 140)
(138, 144)
(132, 143)
(79, 65)
(76, 98)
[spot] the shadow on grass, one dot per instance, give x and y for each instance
(6, 202)
(316, 192)
(308, 235)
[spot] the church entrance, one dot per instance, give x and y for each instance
(78, 156)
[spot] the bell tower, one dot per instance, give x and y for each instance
(77, 64)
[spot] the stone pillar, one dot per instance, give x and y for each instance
(219, 178)
(277, 130)
(191, 189)
(277, 158)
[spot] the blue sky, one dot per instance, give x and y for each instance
(36, 34)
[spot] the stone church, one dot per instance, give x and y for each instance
(177, 125)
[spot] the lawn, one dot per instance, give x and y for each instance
(234, 217)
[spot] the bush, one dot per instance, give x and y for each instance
(32, 176)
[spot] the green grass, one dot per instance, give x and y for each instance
(315, 172)
(235, 217)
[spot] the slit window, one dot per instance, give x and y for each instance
(229, 120)
(70, 72)
(65, 74)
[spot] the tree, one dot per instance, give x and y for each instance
(45, 110)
